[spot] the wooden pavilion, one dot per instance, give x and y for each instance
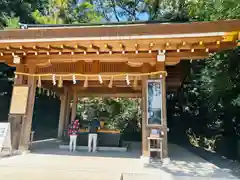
(113, 60)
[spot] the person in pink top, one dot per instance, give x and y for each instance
(73, 130)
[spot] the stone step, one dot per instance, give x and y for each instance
(100, 148)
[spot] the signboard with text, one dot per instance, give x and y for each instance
(154, 102)
(19, 100)
(5, 137)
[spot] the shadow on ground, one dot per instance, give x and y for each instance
(183, 163)
(231, 166)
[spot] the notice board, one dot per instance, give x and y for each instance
(19, 100)
(5, 137)
(154, 102)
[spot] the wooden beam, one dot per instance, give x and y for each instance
(172, 57)
(129, 44)
(105, 90)
(143, 57)
(110, 95)
(82, 50)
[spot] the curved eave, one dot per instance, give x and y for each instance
(114, 31)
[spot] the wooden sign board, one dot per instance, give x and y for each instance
(19, 100)
(5, 137)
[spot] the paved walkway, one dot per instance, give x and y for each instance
(52, 163)
(232, 166)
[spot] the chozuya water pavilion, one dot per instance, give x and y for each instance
(115, 60)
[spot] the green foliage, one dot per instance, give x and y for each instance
(134, 10)
(12, 23)
(85, 13)
(16, 9)
(54, 13)
(210, 10)
(66, 12)
(236, 102)
(116, 112)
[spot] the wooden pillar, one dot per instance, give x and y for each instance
(16, 120)
(145, 131)
(27, 120)
(62, 116)
(74, 106)
(67, 114)
(145, 151)
(160, 66)
(164, 118)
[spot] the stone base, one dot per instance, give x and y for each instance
(100, 148)
(166, 161)
(145, 160)
(25, 152)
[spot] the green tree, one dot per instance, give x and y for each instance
(210, 10)
(66, 12)
(134, 10)
(210, 97)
